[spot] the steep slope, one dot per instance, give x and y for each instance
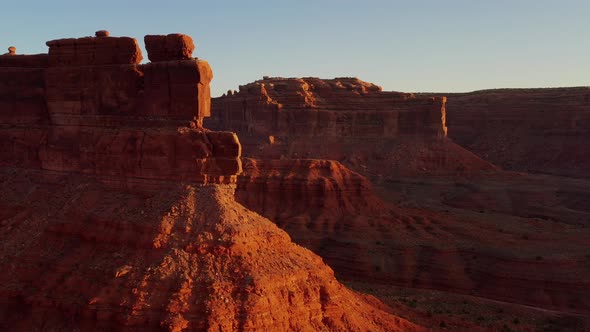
(184, 258)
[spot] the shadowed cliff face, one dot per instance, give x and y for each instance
(505, 236)
(439, 217)
(117, 207)
(530, 130)
(313, 107)
(374, 132)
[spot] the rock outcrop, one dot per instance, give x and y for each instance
(117, 208)
(11, 51)
(306, 188)
(89, 107)
(343, 119)
(531, 130)
(89, 51)
(174, 46)
(186, 258)
(450, 221)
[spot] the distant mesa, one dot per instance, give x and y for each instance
(374, 132)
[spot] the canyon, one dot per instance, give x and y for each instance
(428, 213)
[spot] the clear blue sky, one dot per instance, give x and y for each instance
(436, 45)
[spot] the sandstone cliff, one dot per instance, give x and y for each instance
(376, 133)
(341, 107)
(89, 107)
(531, 130)
(317, 189)
(117, 207)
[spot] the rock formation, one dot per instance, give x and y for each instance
(117, 208)
(449, 220)
(371, 131)
(341, 107)
(316, 189)
(11, 51)
(531, 130)
(180, 258)
(169, 47)
(102, 33)
(89, 107)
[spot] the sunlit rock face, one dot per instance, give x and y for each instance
(117, 209)
(89, 107)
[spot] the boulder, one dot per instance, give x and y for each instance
(174, 46)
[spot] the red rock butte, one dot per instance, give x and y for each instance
(117, 207)
(89, 107)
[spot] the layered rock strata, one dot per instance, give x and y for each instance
(341, 107)
(89, 107)
(280, 189)
(374, 132)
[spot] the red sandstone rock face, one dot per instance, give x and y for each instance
(27, 61)
(378, 134)
(187, 258)
(282, 189)
(111, 118)
(342, 107)
(454, 222)
(534, 130)
(90, 51)
(113, 192)
(174, 46)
